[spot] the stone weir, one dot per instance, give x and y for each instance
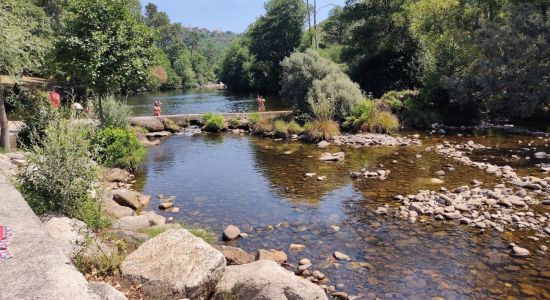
(148, 122)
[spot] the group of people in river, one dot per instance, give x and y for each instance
(260, 101)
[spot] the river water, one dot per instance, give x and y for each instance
(259, 185)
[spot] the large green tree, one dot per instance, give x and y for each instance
(24, 43)
(273, 37)
(105, 45)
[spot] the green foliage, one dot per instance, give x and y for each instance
(319, 130)
(234, 122)
(333, 97)
(254, 118)
(205, 234)
(262, 126)
(396, 100)
(371, 116)
(360, 115)
(94, 260)
(25, 38)
(294, 128)
(235, 69)
(115, 113)
(184, 69)
(281, 128)
(105, 45)
(213, 122)
(154, 231)
(62, 174)
(118, 147)
(37, 113)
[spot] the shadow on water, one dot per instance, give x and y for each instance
(259, 185)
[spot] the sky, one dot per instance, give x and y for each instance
(225, 15)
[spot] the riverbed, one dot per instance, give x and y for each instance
(259, 185)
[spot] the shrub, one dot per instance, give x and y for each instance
(395, 100)
(360, 115)
(254, 118)
(62, 174)
(383, 121)
(115, 113)
(338, 93)
(281, 128)
(213, 122)
(36, 113)
(234, 122)
(294, 128)
(120, 148)
(319, 130)
(99, 262)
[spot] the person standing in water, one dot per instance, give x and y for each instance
(261, 103)
(156, 109)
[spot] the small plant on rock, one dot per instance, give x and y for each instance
(213, 122)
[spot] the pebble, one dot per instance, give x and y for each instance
(520, 252)
(305, 261)
(341, 256)
(231, 232)
(296, 247)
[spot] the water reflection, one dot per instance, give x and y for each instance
(199, 101)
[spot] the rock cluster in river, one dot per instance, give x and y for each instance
(497, 208)
(379, 174)
(374, 139)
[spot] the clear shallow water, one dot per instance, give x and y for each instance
(194, 101)
(250, 182)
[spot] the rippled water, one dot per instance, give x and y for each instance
(194, 101)
(255, 184)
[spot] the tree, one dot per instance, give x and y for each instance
(235, 68)
(105, 45)
(25, 40)
(273, 37)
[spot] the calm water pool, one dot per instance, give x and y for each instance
(199, 101)
(255, 184)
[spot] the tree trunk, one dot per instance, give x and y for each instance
(309, 24)
(315, 23)
(4, 127)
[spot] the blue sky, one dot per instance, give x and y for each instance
(233, 15)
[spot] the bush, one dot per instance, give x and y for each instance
(118, 148)
(115, 113)
(360, 115)
(319, 130)
(253, 118)
(338, 95)
(36, 113)
(395, 100)
(371, 116)
(213, 122)
(234, 122)
(294, 128)
(62, 174)
(281, 128)
(383, 121)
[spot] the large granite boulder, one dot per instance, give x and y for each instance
(265, 279)
(132, 223)
(116, 211)
(152, 124)
(70, 234)
(175, 265)
(105, 291)
(131, 199)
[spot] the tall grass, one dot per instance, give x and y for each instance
(371, 116)
(319, 130)
(213, 122)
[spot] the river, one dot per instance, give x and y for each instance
(258, 184)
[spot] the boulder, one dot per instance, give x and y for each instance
(265, 280)
(70, 234)
(234, 255)
(117, 175)
(333, 156)
(105, 291)
(273, 255)
(130, 237)
(132, 223)
(323, 144)
(154, 219)
(158, 134)
(175, 265)
(115, 210)
(131, 199)
(231, 232)
(152, 124)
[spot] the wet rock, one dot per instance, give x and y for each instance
(440, 173)
(265, 280)
(231, 232)
(321, 178)
(356, 175)
(323, 144)
(381, 211)
(520, 252)
(176, 262)
(158, 134)
(296, 247)
(131, 199)
(541, 155)
(341, 256)
(234, 255)
(273, 255)
(332, 156)
(435, 181)
(453, 215)
(310, 174)
(340, 295)
(318, 275)
(304, 267)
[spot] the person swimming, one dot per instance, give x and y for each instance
(157, 109)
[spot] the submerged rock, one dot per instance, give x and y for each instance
(520, 252)
(341, 256)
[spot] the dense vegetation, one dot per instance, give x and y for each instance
(450, 61)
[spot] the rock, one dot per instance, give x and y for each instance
(158, 134)
(321, 178)
(174, 210)
(341, 295)
(296, 247)
(105, 291)
(520, 252)
(130, 237)
(70, 234)
(323, 144)
(132, 223)
(273, 255)
(115, 210)
(545, 202)
(265, 280)
(152, 124)
(356, 175)
(131, 199)
(333, 157)
(231, 232)
(117, 175)
(318, 275)
(435, 181)
(154, 219)
(175, 263)
(381, 211)
(310, 174)
(341, 256)
(541, 155)
(440, 173)
(304, 267)
(453, 215)
(234, 255)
